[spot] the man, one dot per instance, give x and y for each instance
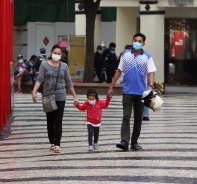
(37, 64)
(110, 61)
(98, 64)
(136, 65)
(21, 72)
(127, 47)
(64, 57)
(32, 73)
(103, 46)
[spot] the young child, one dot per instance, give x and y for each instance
(94, 107)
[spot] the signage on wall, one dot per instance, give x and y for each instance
(180, 2)
(179, 42)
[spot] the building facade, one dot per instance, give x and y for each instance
(169, 25)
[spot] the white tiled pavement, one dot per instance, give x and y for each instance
(169, 142)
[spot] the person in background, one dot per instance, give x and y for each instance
(36, 66)
(146, 112)
(98, 64)
(32, 73)
(32, 60)
(146, 109)
(94, 107)
(103, 46)
(127, 47)
(64, 57)
(47, 75)
(21, 72)
(110, 61)
(137, 65)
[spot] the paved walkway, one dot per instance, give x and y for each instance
(169, 142)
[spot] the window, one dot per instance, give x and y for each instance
(181, 51)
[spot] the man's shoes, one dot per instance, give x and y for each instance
(18, 91)
(145, 119)
(136, 146)
(122, 145)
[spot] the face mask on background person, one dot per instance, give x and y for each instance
(112, 52)
(137, 45)
(92, 102)
(100, 51)
(20, 61)
(56, 57)
(102, 44)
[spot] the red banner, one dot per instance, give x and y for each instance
(179, 45)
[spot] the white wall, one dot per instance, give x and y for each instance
(126, 27)
(36, 35)
(97, 32)
(44, 31)
(108, 32)
(80, 24)
(64, 28)
(20, 38)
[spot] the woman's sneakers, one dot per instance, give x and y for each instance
(54, 148)
(95, 147)
(57, 149)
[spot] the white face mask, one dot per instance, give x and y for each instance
(92, 102)
(56, 57)
(102, 44)
(20, 61)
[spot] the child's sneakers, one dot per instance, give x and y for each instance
(96, 147)
(57, 149)
(90, 148)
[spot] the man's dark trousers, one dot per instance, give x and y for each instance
(128, 102)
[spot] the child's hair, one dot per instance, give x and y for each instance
(92, 92)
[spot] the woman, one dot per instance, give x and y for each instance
(48, 74)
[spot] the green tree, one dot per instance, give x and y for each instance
(90, 9)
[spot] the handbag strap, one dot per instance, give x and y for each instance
(57, 76)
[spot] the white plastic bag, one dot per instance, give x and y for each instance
(156, 103)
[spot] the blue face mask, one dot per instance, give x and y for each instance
(112, 52)
(137, 45)
(20, 61)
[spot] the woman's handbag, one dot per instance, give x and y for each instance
(48, 102)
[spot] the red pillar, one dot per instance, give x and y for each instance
(6, 42)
